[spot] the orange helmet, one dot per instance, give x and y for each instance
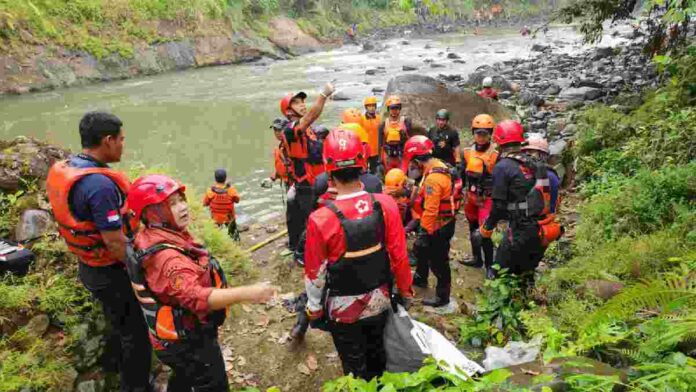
(372, 100)
(393, 100)
(351, 115)
(483, 121)
(395, 178)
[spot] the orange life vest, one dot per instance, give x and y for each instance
(282, 164)
(166, 322)
(371, 126)
(449, 204)
(299, 152)
(479, 170)
(221, 204)
(83, 237)
(395, 131)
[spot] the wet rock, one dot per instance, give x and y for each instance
(557, 147)
(557, 371)
(601, 53)
(552, 89)
(405, 43)
(26, 159)
(427, 46)
(340, 96)
(459, 62)
(38, 325)
(91, 386)
(450, 78)
(569, 130)
(422, 96)
(286, 34)
(409, 68)
(33, 224)
(603, 289)
(541, 114)
(377, 90)
(505, 94)
(368, 46)
(540, 48)
(436, 65)
(529, 98)
(371, 71)
(589, 83)
(580, 93)
(453, 56)
(88, 347)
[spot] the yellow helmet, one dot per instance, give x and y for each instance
(393, 100)
(357, 129)
(351, 115)
(372, 100)
(484, 121)
(395, 178)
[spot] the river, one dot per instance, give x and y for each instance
(195, 121)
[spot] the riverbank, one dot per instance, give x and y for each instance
(49, 48)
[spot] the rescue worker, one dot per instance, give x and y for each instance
(397, 186)
(478, 163)
(549, 229)
(282, 166)
(436, 205)
(88, 202)
(370, 122)
(521, 195)
(445, 139)
(297, 137)
(356, 247)
(183, 291)
(220, 199)
(393, 133)
(488, 91)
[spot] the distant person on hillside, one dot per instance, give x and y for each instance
(488, 91)
(220, 199)
(525, 31)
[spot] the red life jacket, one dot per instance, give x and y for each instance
(221, 204)
(82, 237)
(168, 323)
(306, 166)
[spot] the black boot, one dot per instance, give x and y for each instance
(436, 302)
(418, 281)
(299, 330)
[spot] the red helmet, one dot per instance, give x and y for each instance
(416, 146)
(508, 131)
(150, 190)
(343, 149)
(285, 102)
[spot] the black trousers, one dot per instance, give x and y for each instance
(361, 346)
(128, 338)
(483, 250)
(375, 165)
(432, 253)
(232, 230)
(299, 208)
(197, 364)
(520, 250)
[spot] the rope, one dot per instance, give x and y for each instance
(267, 241)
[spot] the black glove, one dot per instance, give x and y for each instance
(422, 238)
(322, 323)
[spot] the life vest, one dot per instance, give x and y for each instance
(282, 164)
(364, 266)
(305, 165)
(371, 126)
(449, 205)
(395, 131)
(170, 323)
(479, 170)
(537, 203)
(221, 204)
(82, 237)
(549, 229)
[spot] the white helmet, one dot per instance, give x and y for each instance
(487, 81)
(537, 142)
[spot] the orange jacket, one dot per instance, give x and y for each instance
(281, 164)
(434, 195)
(221, 198)
(371, 125)
(82, 237)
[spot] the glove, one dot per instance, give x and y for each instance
(484, 232)
(267, 183)
(328, 90)
(422, 239)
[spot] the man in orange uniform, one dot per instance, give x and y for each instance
(437, 209)
(88, 202)
(356, 248)
(220, 199)
(393, 133)
(371, 121)
(297, 136)
(479, 160)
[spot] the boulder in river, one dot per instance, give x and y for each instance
(286, 34)
(26, 159)
(499, 82)
(453, 56)
(340, 96)
(422, 96)
(540, 48)
(409, 68)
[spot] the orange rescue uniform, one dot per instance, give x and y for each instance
(371, 125)
(221, 198)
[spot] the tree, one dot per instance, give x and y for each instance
(667, 20)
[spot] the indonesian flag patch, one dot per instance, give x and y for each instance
(112, 216)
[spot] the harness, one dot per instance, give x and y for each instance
(364, 266)
(538, 200)
(167, 322)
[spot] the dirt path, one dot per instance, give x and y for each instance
(256, 345)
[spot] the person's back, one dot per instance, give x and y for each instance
(220, 199)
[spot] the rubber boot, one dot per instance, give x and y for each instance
(436, 301)
(419, 281)
(299, 330)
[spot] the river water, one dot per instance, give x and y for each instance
(195, 121)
